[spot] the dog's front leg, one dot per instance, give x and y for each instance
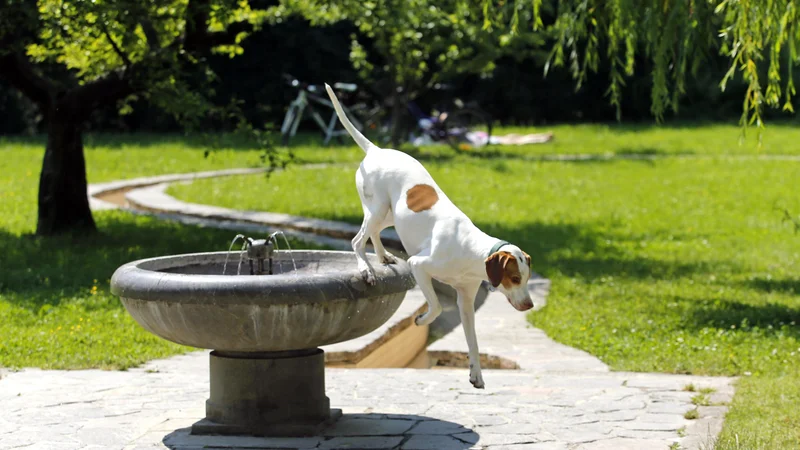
(466, 308)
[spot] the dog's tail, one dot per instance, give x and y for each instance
(360, 139)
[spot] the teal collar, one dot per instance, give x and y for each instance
(497, 246)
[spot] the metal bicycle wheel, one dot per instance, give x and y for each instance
(467, 129)
(288, 125)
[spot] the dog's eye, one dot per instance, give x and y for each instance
(516, 280)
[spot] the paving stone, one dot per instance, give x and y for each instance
(650, 426)
(536, 446)
(619, 416)
(676, 419)
(155, 437)
(7, 427)
(581, 433)
(174, 424)
(367, 427)
(491, 420)
(359, 442)
(438, 427)
(668, 408)
(625, 444)
(511, 428)
(429, 442)
(183, 440)
(489, 439)
(700, 433)
(50, 445)
(649, 434)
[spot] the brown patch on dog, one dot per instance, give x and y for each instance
(527, 258)
(502, 267)
(421, 197)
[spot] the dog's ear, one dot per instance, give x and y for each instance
(527, 258)
(495, 267)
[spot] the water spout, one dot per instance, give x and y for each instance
(259, 253)
(238, 236)
(288, 247)
(259, 250)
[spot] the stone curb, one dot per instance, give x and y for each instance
(97, 189)
(155, 199)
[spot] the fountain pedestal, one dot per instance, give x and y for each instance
(267, 394)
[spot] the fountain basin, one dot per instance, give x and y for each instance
(267, 374)
(186, 299)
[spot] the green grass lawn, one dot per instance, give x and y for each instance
(679, 265)
(56, 311)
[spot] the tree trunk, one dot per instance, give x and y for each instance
(397, 128)
(63, 198)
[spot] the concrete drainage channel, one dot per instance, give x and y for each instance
(399, 343)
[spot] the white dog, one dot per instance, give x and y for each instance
(442, 241)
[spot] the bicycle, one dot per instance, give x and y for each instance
(464, 128)
(306, 94)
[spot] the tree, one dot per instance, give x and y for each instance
(678, 37)
(415, 44)
(73, 58)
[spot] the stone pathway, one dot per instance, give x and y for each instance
(153, 406)
(559, 398)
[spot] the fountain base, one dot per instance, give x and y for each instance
(267, 394)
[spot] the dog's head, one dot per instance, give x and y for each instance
(509, 270)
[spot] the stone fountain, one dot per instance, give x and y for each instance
(267, 371)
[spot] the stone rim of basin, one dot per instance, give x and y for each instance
(328, 303)
(151, 279)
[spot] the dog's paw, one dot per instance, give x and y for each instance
(476, 379)
(388, 259)
(369, 277)
(427, 317)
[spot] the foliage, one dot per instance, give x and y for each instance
(677, 37)
(417, 43)
(147, 44)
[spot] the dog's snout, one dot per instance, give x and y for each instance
(521, 306)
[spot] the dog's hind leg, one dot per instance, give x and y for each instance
(373, 217)
(419, 269)
(375, 238)
(466, 308)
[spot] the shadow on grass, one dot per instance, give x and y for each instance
(644, 155)
(650, 152)
(728, 313)
(582, 251)
(39, 271)
(201, 141)
(784, 286)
